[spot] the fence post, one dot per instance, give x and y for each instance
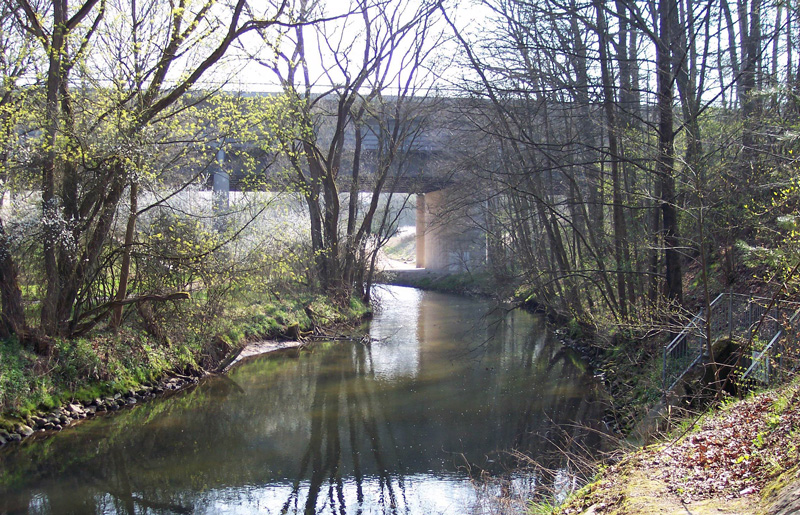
(664, 373)
(778, 351)
(709, 328)
(730, 315)
(768, 366)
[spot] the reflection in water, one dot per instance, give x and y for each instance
(395, 344)
(393, 426)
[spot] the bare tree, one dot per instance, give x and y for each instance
(360, 77)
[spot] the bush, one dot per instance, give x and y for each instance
(16, 367)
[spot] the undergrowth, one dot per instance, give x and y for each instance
(470, 283)
(108, 361)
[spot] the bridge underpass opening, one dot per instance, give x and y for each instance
(448, 234)
(449, 237)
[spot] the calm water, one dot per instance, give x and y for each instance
(401, 425)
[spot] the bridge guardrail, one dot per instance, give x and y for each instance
(736, 316)
(766, 365)
(682, 353)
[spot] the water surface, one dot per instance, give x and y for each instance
(404, 424)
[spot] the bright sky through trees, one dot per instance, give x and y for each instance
(247, 66)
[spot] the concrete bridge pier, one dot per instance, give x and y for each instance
(449, 235)
(221, 190)
(420, 230)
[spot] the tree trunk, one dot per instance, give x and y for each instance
(685, 66)
(620, 230)
(125, 267)
(665, 165)
(587, 157)
(750, 34)
(13, 312)
(50, 209)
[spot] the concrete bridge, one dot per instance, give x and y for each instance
(449, 234)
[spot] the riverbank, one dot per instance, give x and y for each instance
(741, 458)
(72, 413)
(480, 284)
(109, 371)
(462, 283)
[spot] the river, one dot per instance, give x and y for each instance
(408, 423)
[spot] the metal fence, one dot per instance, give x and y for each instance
(773, 327)
(684, 351)
(767, 362)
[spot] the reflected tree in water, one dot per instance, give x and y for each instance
(337, 428)
(345, 402)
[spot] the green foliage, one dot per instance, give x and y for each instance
(358, 308)
(774, 247)
(542, 507)
(17, 377)
(78, 362)
(574, 329)
(81, 369)
(86, 368)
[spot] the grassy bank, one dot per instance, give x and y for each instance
(110, 362)
(462, 283)
(737, 458)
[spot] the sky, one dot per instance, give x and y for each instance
(239, 73)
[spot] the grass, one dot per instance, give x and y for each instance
(632, 375)
(402, 247)
(541, 508)
(467, 283)
(82, 369)
(111, 362)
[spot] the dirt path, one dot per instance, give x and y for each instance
(744, 459)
